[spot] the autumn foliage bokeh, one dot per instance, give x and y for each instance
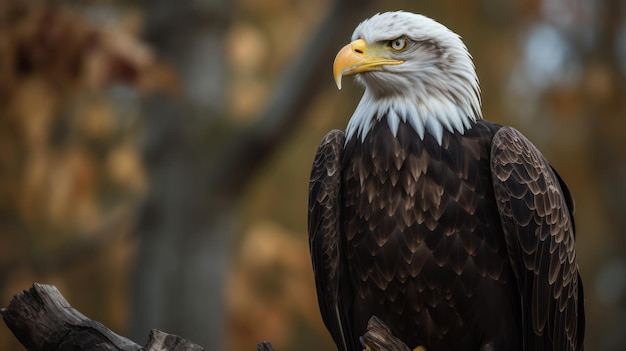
(73, 175)
(71, 167)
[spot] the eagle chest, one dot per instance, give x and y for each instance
(420, 224)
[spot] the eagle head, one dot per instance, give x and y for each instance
(414, 69)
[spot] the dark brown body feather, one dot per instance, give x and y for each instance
(467, 245)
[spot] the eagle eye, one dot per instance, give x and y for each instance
(398, 44)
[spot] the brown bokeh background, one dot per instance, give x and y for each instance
(154, 155)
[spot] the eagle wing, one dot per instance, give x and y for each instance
(536, 212)
(331, 279)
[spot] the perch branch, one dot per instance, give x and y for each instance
(377, 338)
(41, 319)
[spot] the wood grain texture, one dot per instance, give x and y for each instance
(42, 320)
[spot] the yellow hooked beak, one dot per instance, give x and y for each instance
(357, 57)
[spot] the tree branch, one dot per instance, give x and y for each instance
(42, 320)
(379, 337)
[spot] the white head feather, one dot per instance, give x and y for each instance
(435, 88)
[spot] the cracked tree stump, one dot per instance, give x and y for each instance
(42, 320)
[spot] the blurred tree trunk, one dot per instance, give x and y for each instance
(198, 164)
(607, 110)
(183, 232)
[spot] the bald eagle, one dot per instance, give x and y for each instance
(454, 231)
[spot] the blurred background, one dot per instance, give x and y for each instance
(154, 155)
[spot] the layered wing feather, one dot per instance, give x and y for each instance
(536, 212)
(333, 292)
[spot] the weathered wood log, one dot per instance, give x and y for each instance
(161, 341)
(42, 320)
(264, 346)
(379, 337)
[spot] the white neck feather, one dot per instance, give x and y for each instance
(432, 115)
